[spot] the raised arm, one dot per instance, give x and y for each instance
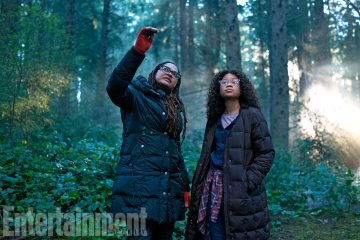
(117, 87)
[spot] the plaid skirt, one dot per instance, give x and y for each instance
(213, 192)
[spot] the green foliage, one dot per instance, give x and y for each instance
(294, 189)
(314, 181)
(191, 149)
(31, 68)
(53, 173)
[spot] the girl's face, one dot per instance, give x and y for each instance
(167, 76)
(230, 86)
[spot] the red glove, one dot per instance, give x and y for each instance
(187, 199)
(145, 38)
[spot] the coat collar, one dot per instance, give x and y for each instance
(142, 84)
(243, 105)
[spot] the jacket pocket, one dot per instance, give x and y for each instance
(257, 191)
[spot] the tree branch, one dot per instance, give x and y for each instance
(353, 6)
(186, 94)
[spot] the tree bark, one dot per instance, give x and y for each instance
(191, 31)
(232, 34)
(176, 34)
(279, 90)
(210, 47)
(183, 35)
(352, 52)
(321, 36)
(302, 40)
(64, 107)
(263, 36)
(264, 86)
(101, 69)
(357, 63)
(12, 74)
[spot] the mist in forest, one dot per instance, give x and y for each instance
(339, 109)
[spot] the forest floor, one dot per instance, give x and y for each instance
(329, 227)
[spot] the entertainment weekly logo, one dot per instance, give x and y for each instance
(72, 224)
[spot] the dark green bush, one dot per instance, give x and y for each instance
(52, 173)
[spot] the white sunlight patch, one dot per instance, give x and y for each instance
(339, 110)
(337, 113)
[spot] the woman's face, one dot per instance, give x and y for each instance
(167, 76)
(230, 86)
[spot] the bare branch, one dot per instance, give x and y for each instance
(353, 6)
(186, 94)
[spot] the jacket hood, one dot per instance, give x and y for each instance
(142, 84)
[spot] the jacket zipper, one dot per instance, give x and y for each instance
(225, 181)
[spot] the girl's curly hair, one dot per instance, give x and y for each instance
(215, 103)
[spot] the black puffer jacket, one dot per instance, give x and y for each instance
(248, 157)
(150, 173)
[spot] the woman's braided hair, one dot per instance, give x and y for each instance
(173, 103)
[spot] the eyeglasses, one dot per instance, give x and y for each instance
(225, 82)
(173, 73)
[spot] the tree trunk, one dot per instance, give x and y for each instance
(279, 90)
(101, 69)
(12, 73)
(357, 63)
(64, 107)
(210, 47)
(352, 52)
(321, 36)
(262, 16)
(191, 47)
(302, 40)
(232, 35)
(176, 35)
(183, 35)
(264, 86)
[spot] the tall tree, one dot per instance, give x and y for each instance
(258, 21)
(352, 51)
(209, 46)
(191, 37)
(65, 98)
(300, 31)
(9, 62)
(183, 35)
(176, 36)
(321, 36)
(279, 90)
(232, 34)
(101, 68)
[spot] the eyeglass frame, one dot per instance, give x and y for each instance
(174, 74)
(225, 82)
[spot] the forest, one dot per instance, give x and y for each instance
(61, 135)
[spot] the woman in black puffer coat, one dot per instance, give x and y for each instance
(150, 174)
